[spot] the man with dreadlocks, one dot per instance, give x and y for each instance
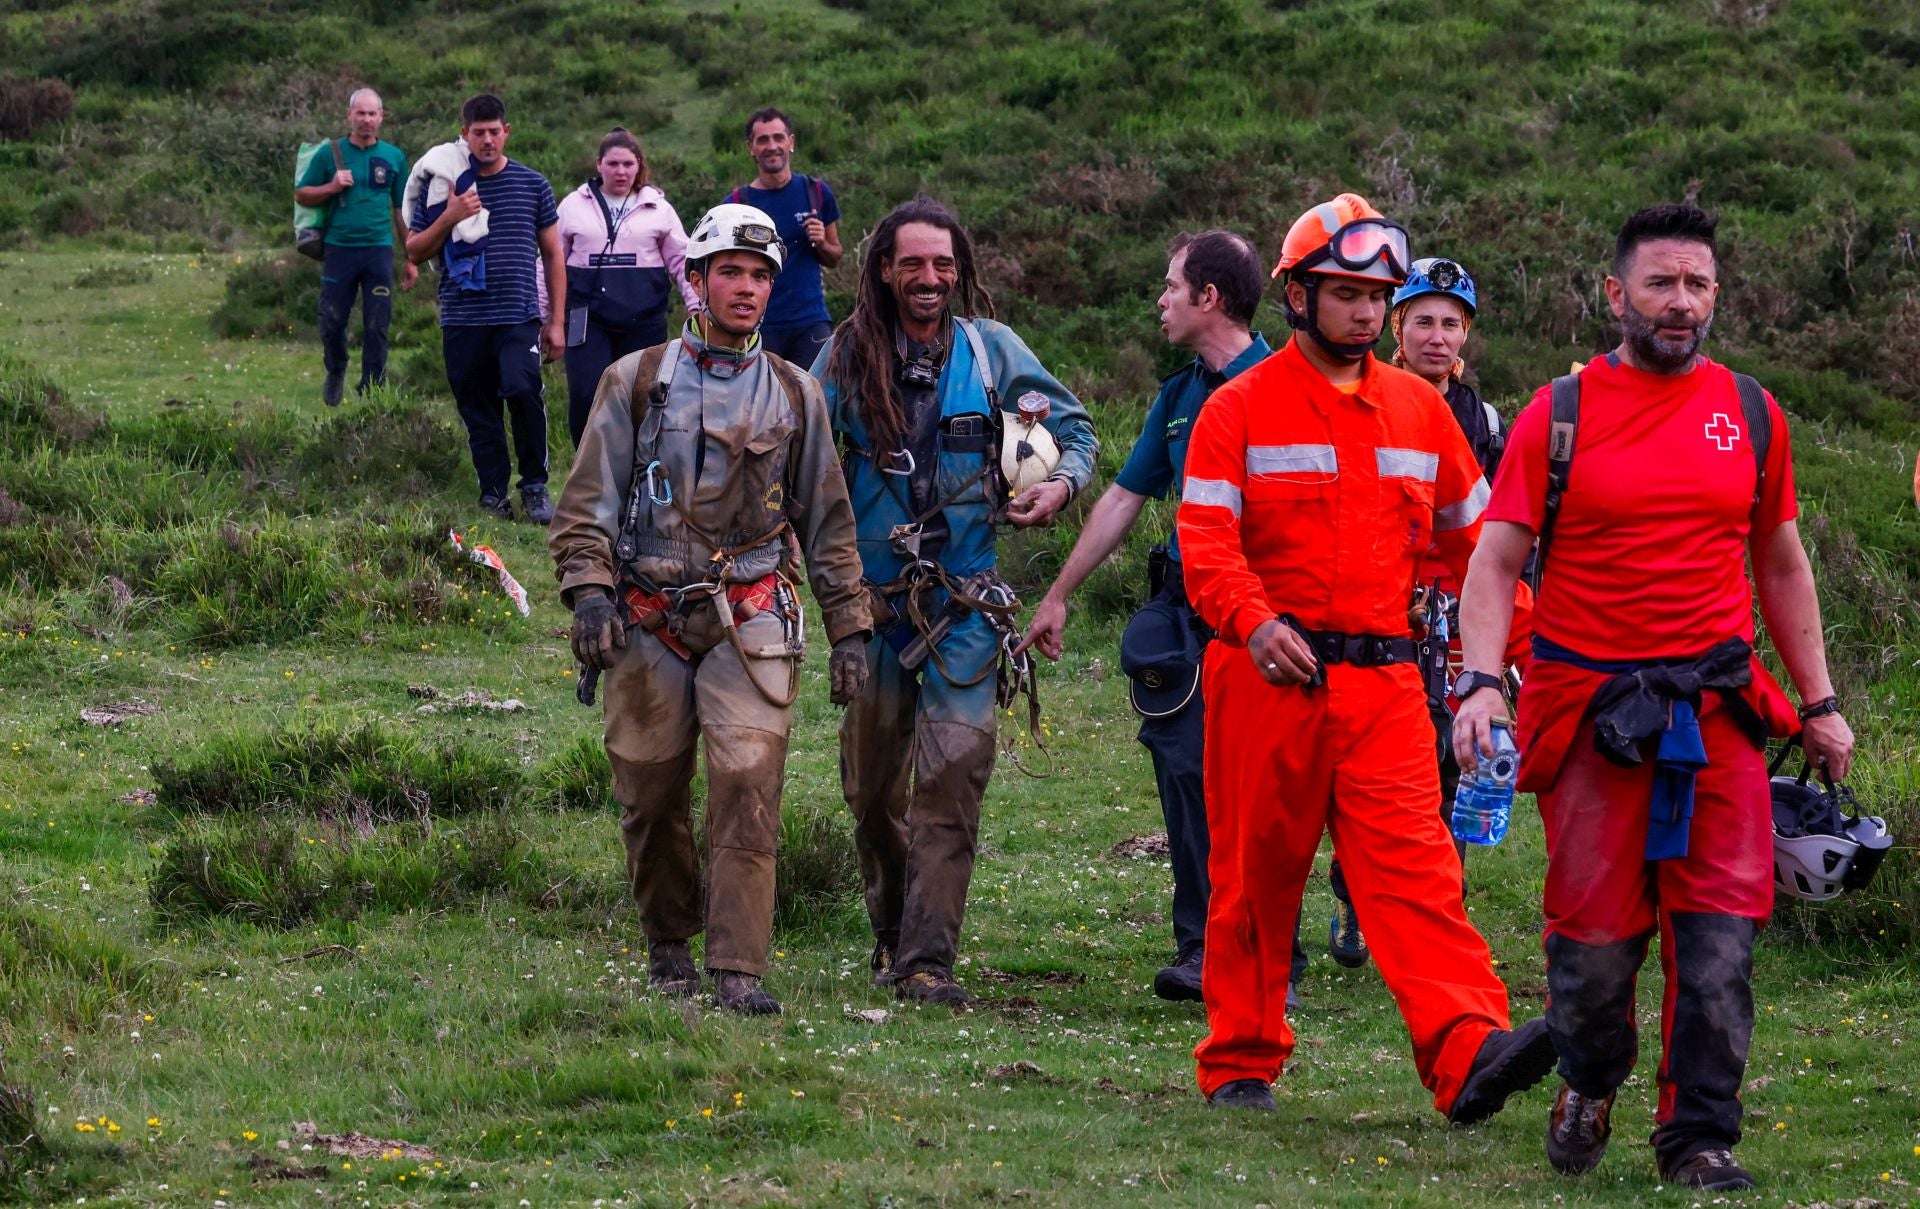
(915, 379)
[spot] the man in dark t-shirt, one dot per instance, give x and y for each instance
(362, 194)
(492, 333)
(807, 216)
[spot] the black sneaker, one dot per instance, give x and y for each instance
(335, 387)
(931, 986)
(1577, 1132)
(1180, 981)
(497, 507)
(1710, 1170)
(1508, 1062)
(1345, 944)
(881, 963)
(534, 502)
(1255, 1094)
(670, 968)
(737, 992)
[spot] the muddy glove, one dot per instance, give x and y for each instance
(597, 629)
(847, 668)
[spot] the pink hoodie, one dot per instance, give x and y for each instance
(648, 229)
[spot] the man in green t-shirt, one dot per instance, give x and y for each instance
(362, 196)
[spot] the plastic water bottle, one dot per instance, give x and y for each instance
(1483, 804)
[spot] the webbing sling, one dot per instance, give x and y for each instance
(1564, 425)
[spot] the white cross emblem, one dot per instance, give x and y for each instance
(1722, 431)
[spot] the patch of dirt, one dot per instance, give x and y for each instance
(140, 797)
(1016, 1006)
(474, 699)
(1021, 1069)
(115, 712)
(1142, 846)
(264, 1168)
(355, 1145)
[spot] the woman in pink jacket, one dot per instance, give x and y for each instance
(625, 251)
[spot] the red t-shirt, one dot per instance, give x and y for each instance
(1648, 558)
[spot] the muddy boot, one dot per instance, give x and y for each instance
(881, 963)
(535, 503)
(1577, 1131)
(931, 986)
(1181, 980)
(670, 968)
(1508, 1062)
(737, 992)
(1711, 1169)
(1345, 944)
(1255, 1094)
(334, 387)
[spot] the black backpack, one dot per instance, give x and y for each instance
(1560, 445)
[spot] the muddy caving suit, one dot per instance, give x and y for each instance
(708, 502)
(1313, 506)
(917, 746)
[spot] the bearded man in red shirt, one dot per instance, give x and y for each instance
(1648, 498)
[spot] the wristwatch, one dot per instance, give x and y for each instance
(1820, 708)
(1469, 683)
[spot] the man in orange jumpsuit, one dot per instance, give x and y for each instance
(1315, 483)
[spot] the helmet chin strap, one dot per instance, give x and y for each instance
(1310, 324)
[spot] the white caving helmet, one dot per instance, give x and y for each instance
(1028, 452)
(733, 227)
(1821, 848)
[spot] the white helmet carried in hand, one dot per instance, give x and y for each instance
(1820, 847)
(733, 227)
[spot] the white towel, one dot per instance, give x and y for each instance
(436, 171)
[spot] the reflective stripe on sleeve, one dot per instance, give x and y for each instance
(1291, 459)
(1407, 464)
(1217, 492)
(1467, 511)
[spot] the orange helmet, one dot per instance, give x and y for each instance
(1346, 237)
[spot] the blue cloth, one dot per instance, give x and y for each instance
(799, 299)
(1682, 756)
(500, 290)
(1158, 462)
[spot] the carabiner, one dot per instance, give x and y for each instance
(662, 481)
(900, 453)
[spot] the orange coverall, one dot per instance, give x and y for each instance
(1304, 499)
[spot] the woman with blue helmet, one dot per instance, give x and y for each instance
(1431, 315)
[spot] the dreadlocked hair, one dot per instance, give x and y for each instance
(863, 346)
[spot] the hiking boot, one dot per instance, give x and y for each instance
(737, 992)
(1293, 998)
(335, 387)
(1508, 1062)
(534, 502)
(881, 963)
(497, 507)
(1256, 1094)
(1577, 1131)
(1711, 1169)
(931, 986)
(670, 968)
(1344, 942)
(1181, 980)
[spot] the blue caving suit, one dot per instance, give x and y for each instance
(916, 748)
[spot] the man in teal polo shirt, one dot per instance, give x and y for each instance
(362, 196)
(1213, 287)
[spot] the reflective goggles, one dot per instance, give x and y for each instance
(1362, 243)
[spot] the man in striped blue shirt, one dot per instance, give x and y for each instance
(490, 326)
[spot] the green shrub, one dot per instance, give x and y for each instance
(818, 872)
(579, 776)
(20, 1140)
(364, 775)
(27, 105)
(54, 971)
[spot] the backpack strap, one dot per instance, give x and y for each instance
(736, 197)
(339, 160)
(1493, 417)
(980, 362)
(816, 193)
(648, 403)
(1564, 422)
(1753, 404)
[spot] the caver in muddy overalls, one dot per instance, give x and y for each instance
(700, 471)
(916, 748)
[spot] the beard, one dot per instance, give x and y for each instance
(1660, 355)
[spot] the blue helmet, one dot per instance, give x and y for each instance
(1438, 275)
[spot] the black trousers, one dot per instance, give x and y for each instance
(797, 345)
(589, 359)
(1176, 742)
(488, 365)
(367, 272)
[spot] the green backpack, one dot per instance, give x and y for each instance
(310, 222)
